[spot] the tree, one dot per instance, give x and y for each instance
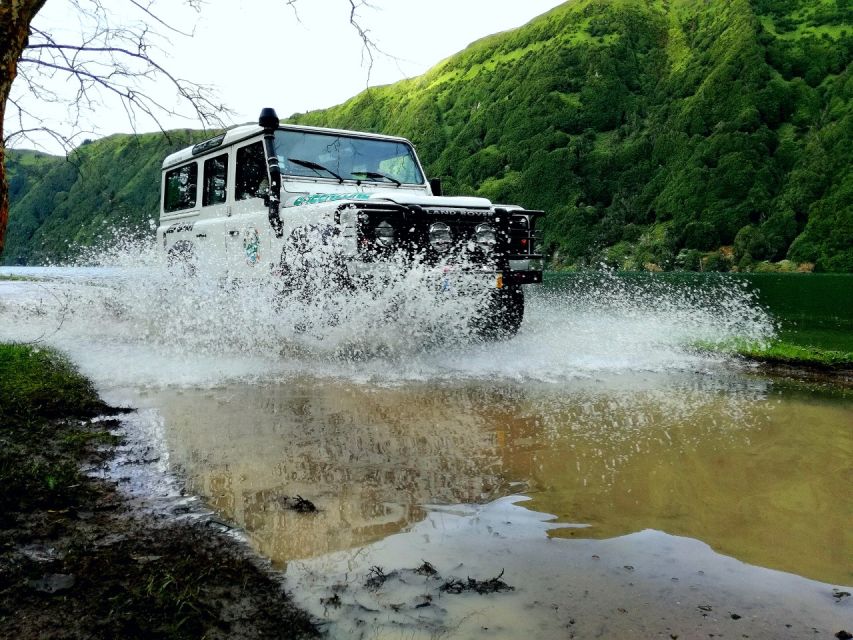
(116, 58)
(15, 19)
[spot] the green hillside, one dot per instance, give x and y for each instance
(60, 204)
(657, 134)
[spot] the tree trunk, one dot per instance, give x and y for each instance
(15, 18)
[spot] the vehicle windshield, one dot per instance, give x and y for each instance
(300, 153)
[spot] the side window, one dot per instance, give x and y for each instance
(252, 180)
(215, 180)
(180, 191)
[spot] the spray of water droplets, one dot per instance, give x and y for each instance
(130, 318)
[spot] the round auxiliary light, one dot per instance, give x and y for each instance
(384, 233)
(484, 236)
(439, 236)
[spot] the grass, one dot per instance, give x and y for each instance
(15, 278)
(787, 353)
(40, 446)
(781, 352)
(36, 382)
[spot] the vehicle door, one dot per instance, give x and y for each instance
(209, 230)
(247, 230)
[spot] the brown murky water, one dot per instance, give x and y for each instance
(757, 470)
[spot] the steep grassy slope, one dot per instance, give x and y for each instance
(649, 131)
(673, 133)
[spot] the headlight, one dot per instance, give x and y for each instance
(439, 236)
(384, 233)
(484, 236)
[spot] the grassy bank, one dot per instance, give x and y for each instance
(40, 446)
(787, 354)
(76, 562)
(11, 277)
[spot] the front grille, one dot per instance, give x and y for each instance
(411, 234)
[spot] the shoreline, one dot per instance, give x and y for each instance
(841, 375)
(788, 359)
(78, 559)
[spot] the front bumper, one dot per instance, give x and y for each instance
(471, 276)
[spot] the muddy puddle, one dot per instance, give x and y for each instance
(596, 476)
(648, 503)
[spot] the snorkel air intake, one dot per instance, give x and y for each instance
(269, 121)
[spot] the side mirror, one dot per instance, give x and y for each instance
(435, 186)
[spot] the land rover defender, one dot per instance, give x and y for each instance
(240, 204)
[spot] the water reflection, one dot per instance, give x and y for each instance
(755, 472)
(367, 459)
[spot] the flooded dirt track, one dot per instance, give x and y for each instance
(620, 482)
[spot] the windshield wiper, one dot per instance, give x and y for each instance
(376, 174)
(316, 168)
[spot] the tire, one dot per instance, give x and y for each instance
(181, 260)
(504, 315)
(302, 271)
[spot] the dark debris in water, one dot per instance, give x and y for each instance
(426, 569)
(492, 585)
(376, 577)
(333, 601)
(424, 600)
(299, 504)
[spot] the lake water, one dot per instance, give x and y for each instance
(621, 481)
(813, 309)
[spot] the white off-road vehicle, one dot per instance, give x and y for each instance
(245, 203)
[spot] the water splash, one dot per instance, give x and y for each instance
(129, 319)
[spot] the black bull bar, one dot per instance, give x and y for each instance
(509, 236)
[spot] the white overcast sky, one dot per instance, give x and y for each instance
(257, 54)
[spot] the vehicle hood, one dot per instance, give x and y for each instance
(404, 198)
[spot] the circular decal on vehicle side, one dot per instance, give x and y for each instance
(252, 246)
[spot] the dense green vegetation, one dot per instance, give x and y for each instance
(650, 132)
(668, 134)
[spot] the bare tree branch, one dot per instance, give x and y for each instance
(108, 60)
(159, 20)
(292, 5)
(368, 46)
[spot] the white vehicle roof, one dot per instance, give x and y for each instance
(245, 131)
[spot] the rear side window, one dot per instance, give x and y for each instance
(215, 180)
(180, 192)
(252, 181)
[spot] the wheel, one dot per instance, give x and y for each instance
(504, 314)
(310, 262)
(181, 259)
